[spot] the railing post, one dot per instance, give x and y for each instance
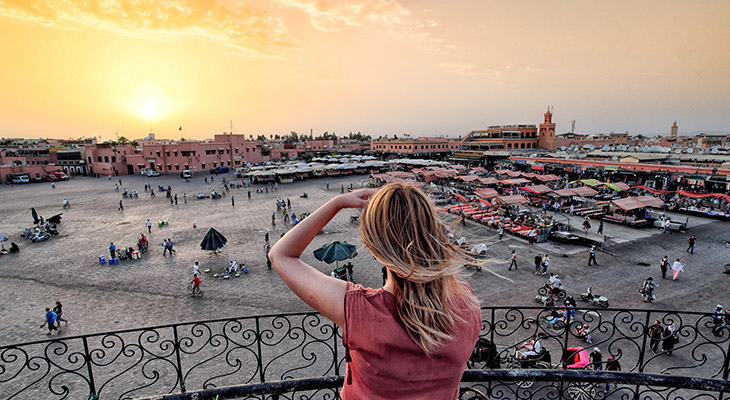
(92, 385)
(491, 339)
(334, 346)
(565, 342)
(258, 346)
(177, 357)
(643, 350)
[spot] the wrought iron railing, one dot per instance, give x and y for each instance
(301, 356)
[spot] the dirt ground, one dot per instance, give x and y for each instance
(152, 290)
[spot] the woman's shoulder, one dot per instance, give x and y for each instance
(357, 290)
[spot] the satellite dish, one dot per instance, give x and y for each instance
(606, 147)
(614, 158)
(613, 148)
(678, 151)
(701, 152)
(714, 151)
(593, 146)
(690, 150)
(563, 148)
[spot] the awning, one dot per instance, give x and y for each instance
(547, 178)
(486, 193)
(564, 193)
(486, 203)
(488, 181)
(516, 199)
(460, 197)
(467, 178)
(518, 181)
(537, 189)
(538, 167)
(617, 186)
(650, 201)
(628, 203)
(584, 191)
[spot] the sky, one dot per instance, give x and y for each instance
(104, 68)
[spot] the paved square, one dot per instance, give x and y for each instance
(152, 291)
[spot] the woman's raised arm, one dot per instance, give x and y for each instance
(322, 292)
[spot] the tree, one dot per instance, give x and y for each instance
(122, 141)
(134, 143)
(261, 138)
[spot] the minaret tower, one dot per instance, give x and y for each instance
(547, 132)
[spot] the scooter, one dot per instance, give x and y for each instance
(600, 301)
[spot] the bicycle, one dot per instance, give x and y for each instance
(198, 291)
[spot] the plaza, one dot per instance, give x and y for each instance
(152, 291)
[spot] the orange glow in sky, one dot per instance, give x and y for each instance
(92, 68)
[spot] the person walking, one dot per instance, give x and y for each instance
(655, 332)
(670, 339)
(513, 260)
(612, 364)
(501, 232)
(349, 269)
(58, 309)
(196, 268)
(149, 226)
(664, 265)
(273, 219)
(600, 227)
(121, 206)
(288, 203)
(50, 322)
(538, 263)
(152, 192)
(545, 264)
(175, 198)
(691, 242)
(596, 359)
(249, 195)
(196, 284)
(592, 256)
(233, 201)
(328, 185)
(185, 198)
(112, 251)
(172, 201)
(426, 317)
(170, 243)
(676, 267)
(647, 290)
(267, 248)
(531, 234)
(165, 246)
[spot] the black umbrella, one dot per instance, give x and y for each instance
(213, 240)
(34, 214)
(335, 252)
(56, 219)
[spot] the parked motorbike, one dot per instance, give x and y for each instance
(597, 300)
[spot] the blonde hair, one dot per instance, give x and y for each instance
(401, 229)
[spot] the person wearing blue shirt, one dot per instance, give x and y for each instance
(51, 321)
(112, 248)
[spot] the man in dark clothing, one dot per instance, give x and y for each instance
(600, 227)
(233, 201)
(538, 263)
(692, 240)
(664, 266)
(596, 358)
(249, 195)
(655, 335)
(121, 206)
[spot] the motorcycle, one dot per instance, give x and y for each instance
(546, 288)
(597, 300)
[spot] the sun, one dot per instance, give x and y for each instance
(148, 101)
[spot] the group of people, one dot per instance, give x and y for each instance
(54, 317)
(541, 263)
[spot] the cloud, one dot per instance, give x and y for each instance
(331, 15)
(385, 17)
(469, 70)
(249, 30)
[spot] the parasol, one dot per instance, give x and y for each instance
(335, 252)
(56, 219)
(34, 214)
(213, 240)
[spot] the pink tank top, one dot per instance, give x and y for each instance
(384, 363)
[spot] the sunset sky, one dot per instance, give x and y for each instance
(100, 67)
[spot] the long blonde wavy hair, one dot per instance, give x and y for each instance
(401, 229)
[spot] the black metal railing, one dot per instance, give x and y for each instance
(301, 356)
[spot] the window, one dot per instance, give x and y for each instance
(167, 153)
(114, 159)
(89, 159)
(98, 158)
(203, 166)
(247, 149)
(158, 154)
(509, 145)
(236, 150)
(106, 158)
(215, 164)
(168, 167)
(175, 153)
(177, 167)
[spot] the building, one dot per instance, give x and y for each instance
(675, 129)
(423, 146)
(546, 138)
(172, 157)
(502, 137)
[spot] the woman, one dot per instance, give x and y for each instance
(412, 338)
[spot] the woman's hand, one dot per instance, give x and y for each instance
(355, 199)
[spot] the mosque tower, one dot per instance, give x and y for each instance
(675, 129)
(547, 132)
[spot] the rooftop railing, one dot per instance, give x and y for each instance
(301, 356)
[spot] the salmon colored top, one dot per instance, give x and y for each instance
(384, 363)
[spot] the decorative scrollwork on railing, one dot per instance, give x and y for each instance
(240, 352)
